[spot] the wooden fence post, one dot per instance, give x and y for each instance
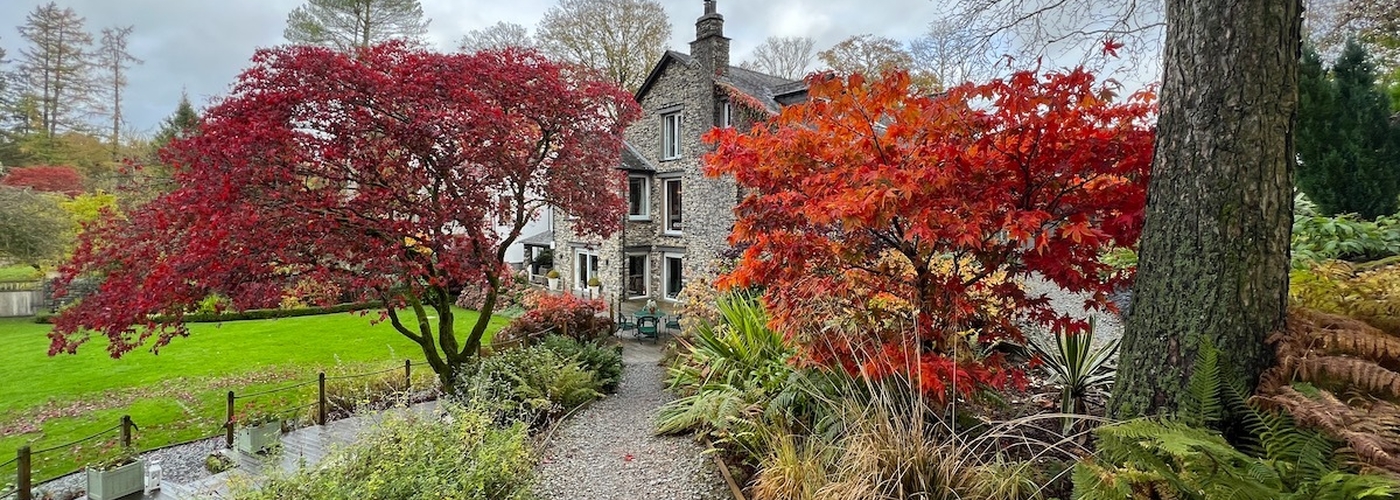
(228, 424)
(126, 431)
(24, 481)
(407, 375)
(321, 399)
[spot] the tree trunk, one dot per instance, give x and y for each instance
(1214, 254)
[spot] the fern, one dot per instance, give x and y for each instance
(1202, 406)
(1180, 458)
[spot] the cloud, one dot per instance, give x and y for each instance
(202, 45)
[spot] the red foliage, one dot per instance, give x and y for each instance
(576, 317)
(887, 228)
(389, 172)
(50, 179)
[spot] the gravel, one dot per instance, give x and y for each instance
(609, 451)
(1108, 325)
(178, 464)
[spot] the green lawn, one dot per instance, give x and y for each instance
(19, 273)
(178, 394)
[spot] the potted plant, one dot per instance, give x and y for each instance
(595, 287)
(258, 433)
(651, 306)
(116, 477)
(553, 277)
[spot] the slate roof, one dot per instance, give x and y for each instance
(774, 92)
(544, 239)
(758, 85)
(634, 160)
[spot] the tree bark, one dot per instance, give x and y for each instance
(1214, 253)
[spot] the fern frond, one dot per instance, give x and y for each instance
(1202, 405)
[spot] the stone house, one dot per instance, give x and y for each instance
(679, 220)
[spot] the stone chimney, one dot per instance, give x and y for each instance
(710, 47)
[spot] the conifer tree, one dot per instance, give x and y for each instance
(1347, 145)
(346, 25)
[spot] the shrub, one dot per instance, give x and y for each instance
(1078, 367)
(529, 384)
(251, 314)
(730, 377)
(562, 314)
(1317, 238)
(460, 455)
(604, 361)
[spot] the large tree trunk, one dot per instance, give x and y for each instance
(1214, 255)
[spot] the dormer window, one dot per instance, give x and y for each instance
(670, 136)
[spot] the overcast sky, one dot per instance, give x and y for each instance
(202, 45)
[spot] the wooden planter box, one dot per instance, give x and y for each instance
(116, 483)
(257, 438)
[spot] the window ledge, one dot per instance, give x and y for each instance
(639, 218)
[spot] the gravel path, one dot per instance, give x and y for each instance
(609, 451)
(1108, 325)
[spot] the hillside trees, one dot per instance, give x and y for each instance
(621, 38)
(1213, 267)
(884, 226)
(387, 172)
(55, 69)
(346, 25)
(497, 36)
(112, 61)
(872, 55)
(786, 56)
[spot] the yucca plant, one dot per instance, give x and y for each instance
(1078, 367)
(728, 376)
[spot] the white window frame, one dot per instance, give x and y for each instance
(666, 206)
(646, 198)
(726, 112)
(666, 275)
(646, 276)
(580, 262)
(671, 136)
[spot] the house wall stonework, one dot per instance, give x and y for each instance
(689, 86)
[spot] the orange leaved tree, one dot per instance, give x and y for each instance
(889, 229)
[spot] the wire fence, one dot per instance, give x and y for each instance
(22, 487)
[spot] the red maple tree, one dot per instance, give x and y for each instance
(46, 178)
(392, 173)
(889, 229)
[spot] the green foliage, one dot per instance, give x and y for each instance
(733, 377)
(19, 274)
(461, 455)
(529, 384)
(34, 229)
(217, 462)
(1183, 458)
(1317, 238)
(1078, 367)
(1120, 258)
(1347, 147)
(604, 361)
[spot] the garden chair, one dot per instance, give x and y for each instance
(646, 327)
(626, 324)
(674, 323)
